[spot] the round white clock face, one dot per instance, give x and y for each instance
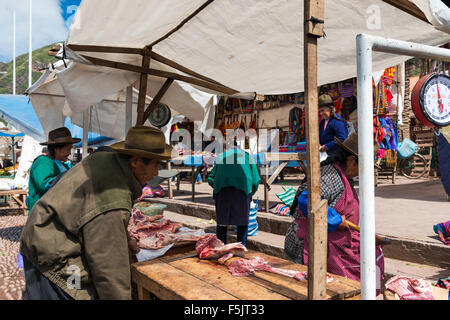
(436, 100)
(160, 115)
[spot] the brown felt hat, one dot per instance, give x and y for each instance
(351, 144)
(145, 142)
(60, 136)
(325, 101)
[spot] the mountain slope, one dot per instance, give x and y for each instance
(40, 57)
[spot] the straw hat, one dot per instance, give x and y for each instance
(325, 100)
(145, 142)
(351, 144)
(60, 136)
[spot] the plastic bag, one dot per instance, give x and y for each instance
(406, 148)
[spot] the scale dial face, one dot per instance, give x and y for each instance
(435, 100)
(160, 115)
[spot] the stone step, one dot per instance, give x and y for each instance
(273, 244)
(420, 252)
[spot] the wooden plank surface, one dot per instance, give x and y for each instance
(169, 283)
(218, 275)
(192, 278)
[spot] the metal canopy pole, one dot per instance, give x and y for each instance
(365, 45)
(85, 132)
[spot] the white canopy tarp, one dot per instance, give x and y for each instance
(436, 11)
(107, 117)
(249, 46)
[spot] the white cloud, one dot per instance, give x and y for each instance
(48, 26)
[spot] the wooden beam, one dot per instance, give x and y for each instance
(157, 98)
(179, 67)
(160, 73)
(153, 55)
(408, 7)
(276, 173)
(182, 23)
(107, 49)
(143, 89)
(317, 257)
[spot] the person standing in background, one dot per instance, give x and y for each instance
(46, 168)
(235, 180)
(331, 126)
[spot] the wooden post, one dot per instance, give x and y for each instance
(317, 210)
(143, 88)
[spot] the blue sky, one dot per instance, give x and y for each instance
(51, 22)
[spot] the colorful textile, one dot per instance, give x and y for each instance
(287, 196)
(347, 90)
(443, 231)
(444, 283)
(295, 121)
(280, 209)
(151, 192)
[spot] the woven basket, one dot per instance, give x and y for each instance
(390, 158)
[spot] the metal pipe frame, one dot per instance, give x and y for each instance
(365, 45)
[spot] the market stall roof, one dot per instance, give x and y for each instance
(107, 116)
(243, 46)
(18, 111)
(11, 134)
(436, 12)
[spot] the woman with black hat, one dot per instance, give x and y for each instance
(337, 187)
(46, 168)
(331, 126)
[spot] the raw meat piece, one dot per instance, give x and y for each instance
(161, 239)
(208, 240)
(217, 252)
(245, 267)
(209, 247)
(410, 288)
(225, 258)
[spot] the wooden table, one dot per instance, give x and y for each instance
(195, 279)
(17, 196)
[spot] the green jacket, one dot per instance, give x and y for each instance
(233, 169)
(78, 229)
(42, 172)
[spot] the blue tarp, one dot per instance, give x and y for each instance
(18, 111)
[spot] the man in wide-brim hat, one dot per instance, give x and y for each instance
(75, 242)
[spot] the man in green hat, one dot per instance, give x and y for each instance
(75, 242)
